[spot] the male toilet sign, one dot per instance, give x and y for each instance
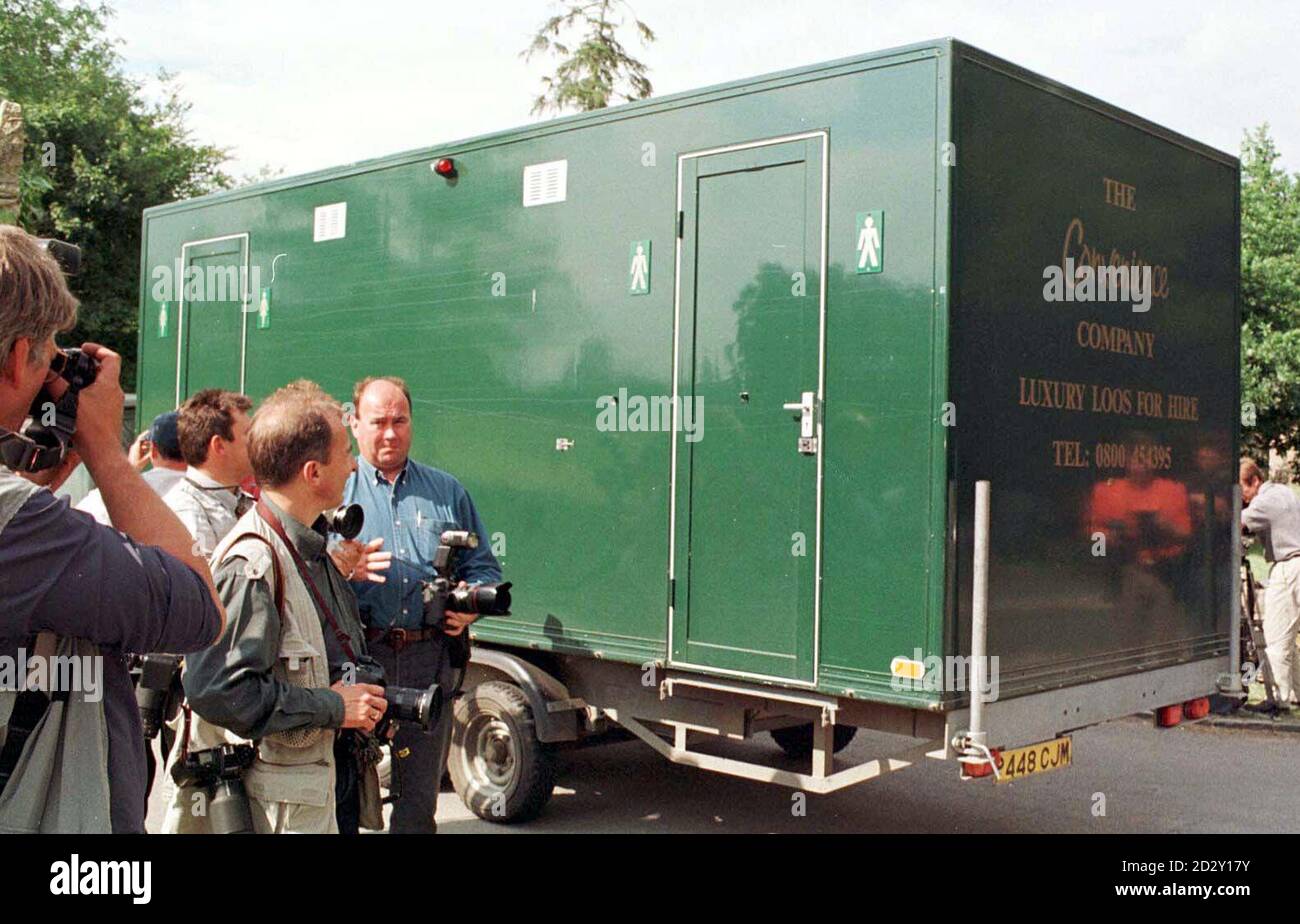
(638, 270)
(870, 231)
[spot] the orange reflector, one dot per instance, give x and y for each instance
(976, 770)
(907, 667)
(1169, 716)
(1197, 708)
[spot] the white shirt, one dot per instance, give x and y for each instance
(160, 479)
(208, 508)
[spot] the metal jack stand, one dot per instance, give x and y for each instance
(1253, 626)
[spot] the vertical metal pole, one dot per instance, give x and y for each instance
(979, 614)
(1234, 569)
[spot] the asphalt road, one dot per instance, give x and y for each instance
(1127, 777)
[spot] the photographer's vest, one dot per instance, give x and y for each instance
(291, 784)
(59, 778)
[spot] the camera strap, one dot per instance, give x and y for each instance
(273, 521)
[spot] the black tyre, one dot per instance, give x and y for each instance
(500, 770)
(797, 740)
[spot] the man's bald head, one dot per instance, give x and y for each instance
(382, 422)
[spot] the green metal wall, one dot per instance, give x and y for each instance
(498, 378)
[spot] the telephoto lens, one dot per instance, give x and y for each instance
(228, 809)
(484, 599)
(345, 520)
(419, 707)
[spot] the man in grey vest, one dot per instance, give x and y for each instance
(279, 676)
(74, 583)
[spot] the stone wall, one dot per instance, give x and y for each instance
(11, 159)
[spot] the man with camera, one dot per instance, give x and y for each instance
(281, 675)
(1272, 513)
(160, 448)
(66, 580)
(409, 505)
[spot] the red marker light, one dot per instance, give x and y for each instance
(445, 167)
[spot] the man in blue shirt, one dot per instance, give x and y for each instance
(408, 506)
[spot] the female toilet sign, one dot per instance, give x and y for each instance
(870, 230)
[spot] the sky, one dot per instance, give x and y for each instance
(298, 86)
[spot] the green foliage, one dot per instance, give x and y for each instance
(1270, 297)
(97, 155)
(599, 70)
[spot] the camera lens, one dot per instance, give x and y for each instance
(484, 599)
(346, 520)
(421, 707)
(74, 367)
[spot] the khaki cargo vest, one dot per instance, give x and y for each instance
(60, 783)
(291, 784)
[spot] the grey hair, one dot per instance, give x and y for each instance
(34, 298)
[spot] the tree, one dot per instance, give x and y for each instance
(1270, 298)
(599, 69)
(97, 154)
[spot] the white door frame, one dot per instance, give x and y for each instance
(821, 394)
(182, 336)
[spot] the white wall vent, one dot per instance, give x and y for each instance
(546, 183)
(331, 222)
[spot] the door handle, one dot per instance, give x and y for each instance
(807, 408)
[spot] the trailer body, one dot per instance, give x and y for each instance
(721, 370)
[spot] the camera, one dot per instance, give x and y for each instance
(405, 704)
(42, 445)
(220, 770)
(68, 256)
(154, 675)
(441, 593)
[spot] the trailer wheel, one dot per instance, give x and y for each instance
(797, 740)
(500, 770)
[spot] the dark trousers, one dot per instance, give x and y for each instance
(420, 773)
(347, 792)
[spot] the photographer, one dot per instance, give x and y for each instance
(160, 448)
(146, 590)
(408, 505)
(280, 673)
(1272, 513)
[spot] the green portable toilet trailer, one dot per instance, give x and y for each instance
(722, 371)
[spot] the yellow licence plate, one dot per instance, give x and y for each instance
(1017, 763)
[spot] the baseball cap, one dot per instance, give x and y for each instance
(163, 434)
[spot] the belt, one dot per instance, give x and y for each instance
(398, 639)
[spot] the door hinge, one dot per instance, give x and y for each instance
(681, 224)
